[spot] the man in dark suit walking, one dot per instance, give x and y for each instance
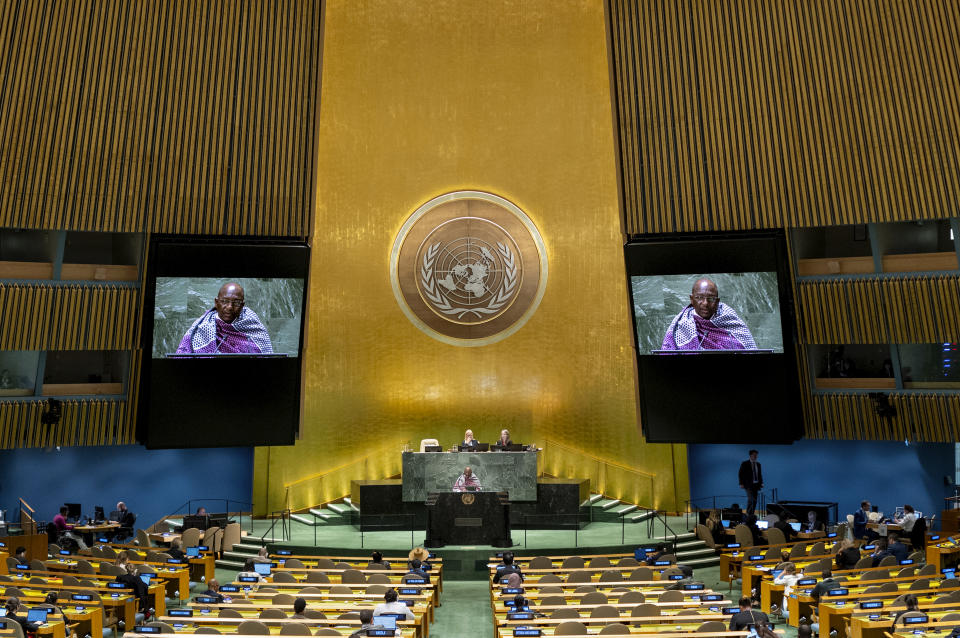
(751, 480)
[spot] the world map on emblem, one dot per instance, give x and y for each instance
(468, 268)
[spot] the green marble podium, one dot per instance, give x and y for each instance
(512, 472)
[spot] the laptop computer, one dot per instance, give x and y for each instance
(146, 579)
(725, 523)
(387, 622)
(763, 524)
(795, 526)
(193, 552)
(98, 514)
(262, 568)
(37, 615)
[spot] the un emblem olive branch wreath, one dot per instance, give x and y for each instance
(497, 301)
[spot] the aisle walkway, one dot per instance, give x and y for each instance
(464, 612)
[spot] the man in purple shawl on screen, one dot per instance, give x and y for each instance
(707, 324)
(227, 328)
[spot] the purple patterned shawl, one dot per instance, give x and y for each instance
(210, 334)
(724, 331)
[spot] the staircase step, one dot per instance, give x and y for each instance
(683, 536)
(625, 509)
(339, 508)
(246, 548)
(237, 556)
(695, 553)
(608, 505)
(691, 544)
(228, 564)
(311, 521)
(642, 516)
(594, 498)
(346, 499)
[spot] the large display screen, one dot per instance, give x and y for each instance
(714, 338)
(223, 323)
(695, 312)
(223, 316)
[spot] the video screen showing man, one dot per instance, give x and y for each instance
(228, 328)
(707, 324)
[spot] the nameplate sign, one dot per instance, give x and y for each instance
(468, 522)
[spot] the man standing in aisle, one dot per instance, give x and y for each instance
(751, 480)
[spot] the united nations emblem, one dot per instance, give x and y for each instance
(467, 499)
(468, 268)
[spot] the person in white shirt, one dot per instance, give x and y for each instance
(391, 606)
(907, 521)
(249, 570)
(788, 578)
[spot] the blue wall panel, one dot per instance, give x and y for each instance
(153, 483)
(887, 473)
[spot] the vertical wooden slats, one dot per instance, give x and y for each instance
(37, 317)
(931, 418)
(86, 422)
(769, 115)
(907, 309)
(182, 117)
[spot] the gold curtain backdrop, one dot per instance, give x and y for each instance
(422, 99)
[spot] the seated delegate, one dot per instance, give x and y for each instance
(469, 443)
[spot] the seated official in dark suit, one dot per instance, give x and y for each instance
(812, 524)
(127, 520)
(416, 571)
(507, 568)
(213, 591)
(847, 555)
(895, 547)
(504, 439)
(468, 441)
(747, 616)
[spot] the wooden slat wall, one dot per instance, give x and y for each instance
(920, 417)
(43, 317)
(87, 422)
(189, 116)
(771, 114)
(908, 309)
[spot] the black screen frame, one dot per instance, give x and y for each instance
(717, 397)
(220, 401)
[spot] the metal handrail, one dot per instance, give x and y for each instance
(576, 526)
(284, 518)
(412, 517)
(652, 525)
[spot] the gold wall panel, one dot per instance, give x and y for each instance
(190, 116)
(422, 99)
(767, 114)
(71, 317)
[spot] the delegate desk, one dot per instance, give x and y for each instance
(512, 472)
(468, 518)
